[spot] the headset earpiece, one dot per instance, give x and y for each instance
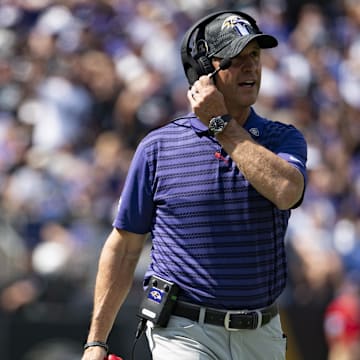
(193, 47)
(205, 65)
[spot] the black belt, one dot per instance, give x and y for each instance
(232, 320)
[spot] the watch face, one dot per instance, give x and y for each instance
(217, 124)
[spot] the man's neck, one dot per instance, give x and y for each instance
(240, 116)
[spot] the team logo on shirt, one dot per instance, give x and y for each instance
(254, 131)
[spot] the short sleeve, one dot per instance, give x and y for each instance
(136, 207)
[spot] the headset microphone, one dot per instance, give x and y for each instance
(224, 64)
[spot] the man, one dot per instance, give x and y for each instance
(214, 188)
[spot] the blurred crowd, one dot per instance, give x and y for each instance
(81, 82)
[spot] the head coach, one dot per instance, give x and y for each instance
(214, 189)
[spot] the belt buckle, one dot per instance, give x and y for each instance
(242, 312)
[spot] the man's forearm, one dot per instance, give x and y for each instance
(270, 175)
(113, 282)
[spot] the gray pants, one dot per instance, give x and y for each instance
(184, 339)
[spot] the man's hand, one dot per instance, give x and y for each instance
(206, 100)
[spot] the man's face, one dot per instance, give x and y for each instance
(240, 83)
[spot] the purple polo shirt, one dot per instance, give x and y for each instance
(212, 233)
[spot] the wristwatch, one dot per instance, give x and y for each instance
(218, 123)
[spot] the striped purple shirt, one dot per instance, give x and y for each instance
(212, 233)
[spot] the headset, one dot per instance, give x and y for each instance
(194, 57)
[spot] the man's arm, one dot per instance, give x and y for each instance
(270, 175)
(117, 263)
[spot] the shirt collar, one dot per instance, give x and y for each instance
(254, 124)
(198, 126)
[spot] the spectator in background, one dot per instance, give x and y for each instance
(342, 322)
